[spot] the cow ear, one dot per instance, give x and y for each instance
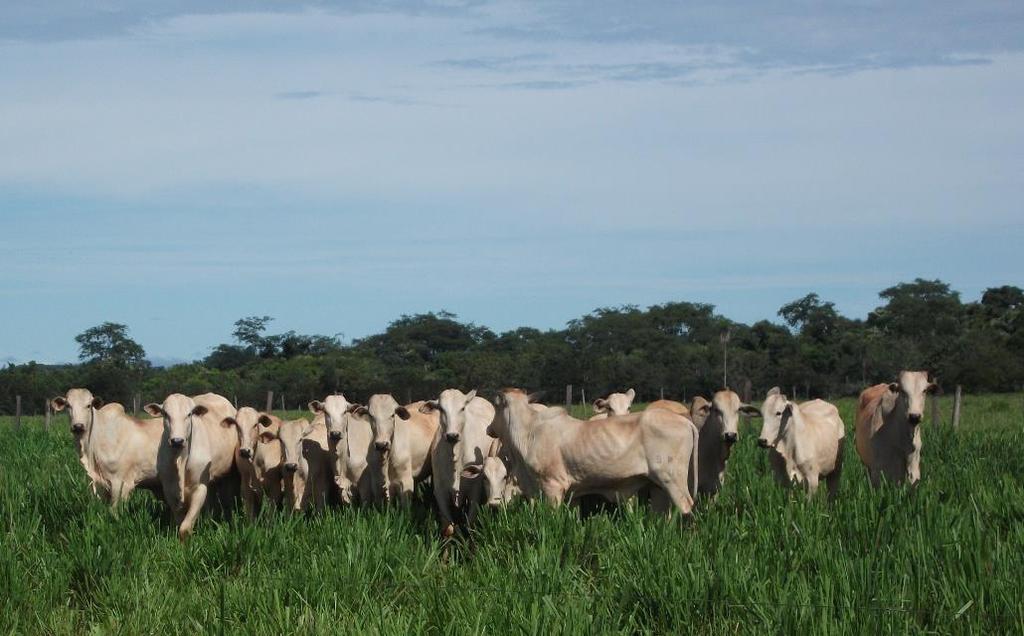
(788, 410)
(228, 422)
(600, 404)
(471, 395)
(472, 471)
(931, 388)
(499, 399)
(316, 407)
(200, 410)
(265, 420)
(894, 387)
(750, 411)
(774, 391)
(428, 407)
(357, 409)
(403, 413)
(58, 403)
(631, 394)
(97, 402)
(705, 408)
(154, 409)
(266, 437)
(535, 397)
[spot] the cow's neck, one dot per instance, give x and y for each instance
(521, 424)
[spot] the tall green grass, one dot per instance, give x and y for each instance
(946, 557)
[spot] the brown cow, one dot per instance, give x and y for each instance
(718, 422)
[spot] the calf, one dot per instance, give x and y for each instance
(888, 427)
(718, 422)
(306, 464)
(202, 451)
(805, 441)
(356, 465)
(404, 437)
(500, 487)
(258, 458)
(458, 454)
(614, 404)
(616, 457)
(118, 452)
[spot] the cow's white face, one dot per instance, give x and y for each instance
(381, 411)
(616, 403)
(335, 411)
(291, 433)
(80, 404)
(495, 478)
(772, 414)
(451, 407)
(913, 388)
(246, 421)
(178, 412)
(725, 410)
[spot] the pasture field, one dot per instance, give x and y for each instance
(945, 558)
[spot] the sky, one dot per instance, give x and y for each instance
(175, 166)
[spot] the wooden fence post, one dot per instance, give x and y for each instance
(583, 397)
(136, 402)
(663, 393)
(49, 414)
(17, 412)
(270, 401)
(568, 395)
(236, 402)
(282, 402)
(956, 407)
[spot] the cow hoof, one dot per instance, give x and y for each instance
(448, 531)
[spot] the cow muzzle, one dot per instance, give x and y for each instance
(246, 453)
(382, 446)
(913, 419)
(335, 436)
(763, 443)
(453, 438)
(729, 438)
(78, 428)
(177, 442)
(291, 467)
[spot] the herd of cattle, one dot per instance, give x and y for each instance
(477, 452)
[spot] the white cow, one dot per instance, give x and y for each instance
(356, 465)
(202, 451)
(500, 486)
(404, 438)
(458, 454)
(718, 422)
(118, 452)
(307, 463)
(258, 458)
(614, 404)
(561, 456)
(888, 427)
(805, 441)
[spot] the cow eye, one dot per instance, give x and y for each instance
(779, 413)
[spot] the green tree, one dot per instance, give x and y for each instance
(109, 344)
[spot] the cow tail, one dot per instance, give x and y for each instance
(693, 459)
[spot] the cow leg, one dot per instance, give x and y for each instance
(405, 494)
(914, 468)
(195, 503)
(249, 502)
(554, 493)
(661, 504)
(444, 509)
(812, 484)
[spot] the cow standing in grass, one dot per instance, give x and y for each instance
(307, 465)
(718, 422)
(558, 455)
(404, 438)
(118, 451)
(805, 441)
(458, 454)
(356, 465)
(202, 452)
(888, 427)
(258, 458)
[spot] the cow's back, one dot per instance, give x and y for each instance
(670, 405)
(870, 399)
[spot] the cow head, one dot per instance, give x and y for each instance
(775, 411)
(451, 407)
(504, 401)
(246, 422)
(723, 416)
(179, 413)
(291, 433)
(495, 479)
(616, 403)
(81, 404)
(381, 410)
(911, 389)
(335, 409)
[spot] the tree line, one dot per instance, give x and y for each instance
(675, 349)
